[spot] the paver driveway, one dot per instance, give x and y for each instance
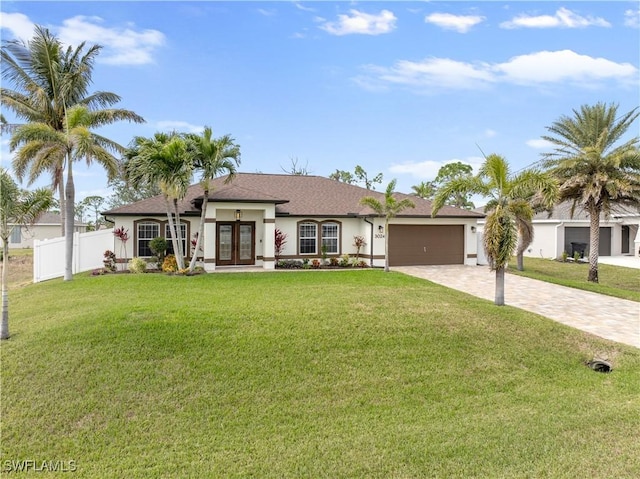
(604, 316)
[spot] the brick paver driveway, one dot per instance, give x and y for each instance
(604, 316)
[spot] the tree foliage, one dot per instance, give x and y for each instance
(595, 169)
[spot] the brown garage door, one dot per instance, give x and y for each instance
(426, 244)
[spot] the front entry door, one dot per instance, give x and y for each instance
(236, 243)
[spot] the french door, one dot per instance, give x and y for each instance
(235, 243)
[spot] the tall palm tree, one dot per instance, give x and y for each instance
(48, 80)
(593, 172)
(213, 157)
(510, 209)
(16, 208)
(163, 160)
(75, 142)
(389, 209)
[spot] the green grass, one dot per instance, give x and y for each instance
(307, 374)
(613, 280)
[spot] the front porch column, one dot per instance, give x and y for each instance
(268, 244)
(209, 244)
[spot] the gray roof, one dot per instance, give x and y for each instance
(562, 211)
(293, 195)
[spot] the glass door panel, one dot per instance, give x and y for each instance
(245, 246)
(225, 239)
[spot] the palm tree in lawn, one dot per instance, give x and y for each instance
(163, 160)
(212, 157)
(389, 209)
(41, 142)
(510, 208)
(16, 208)
(48, 80)
(595, 171)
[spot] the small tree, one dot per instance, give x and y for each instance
(359, 242)
(123, 236)
(158, 247)
(389, 209)
(16, 208)
(280, 241)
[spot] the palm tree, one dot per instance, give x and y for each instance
(389, 209)
(75, 142)
(163, 160)
(48, 80)
(510, 209)
(425, 190)
(16, 208)
(212, 157)
(593, 172)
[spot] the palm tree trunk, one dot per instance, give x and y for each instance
(594, 243)
(69, 200)
(386, 245)
(203, 215)
(499, 299)
(172, 229)
(180, 250)
(63, 213)
(4, 326)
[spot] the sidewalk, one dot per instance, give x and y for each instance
(604, 316)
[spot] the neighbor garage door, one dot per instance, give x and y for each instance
(426, 244)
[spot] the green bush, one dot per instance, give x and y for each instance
(158, 247)
(137, 265)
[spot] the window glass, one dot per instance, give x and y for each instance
(146, 232)
(183, 237)
(307, 234)
(330, 233)
(16, 235)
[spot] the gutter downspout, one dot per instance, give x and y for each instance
(371, 242)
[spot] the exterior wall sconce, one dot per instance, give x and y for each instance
(380, 229)
(473, 229)
(238, 215)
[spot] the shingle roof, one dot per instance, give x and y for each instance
(562, 211)
(294, 195)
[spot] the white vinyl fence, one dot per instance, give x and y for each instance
(88, 251)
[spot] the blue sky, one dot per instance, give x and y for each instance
(396, 87)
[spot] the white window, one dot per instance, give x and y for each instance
(16, 235)
(307, 238)
(183, 236)
(330, 235)
(146, 232)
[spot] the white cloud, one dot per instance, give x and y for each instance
(459, 23)
(539, 68)
(179, 126)
(564, 66)
(539, 144)
(489, 133)
(299, 6)
(563, 18)
(632, 18)
(18, 24)
(122, 45)
(361, 23)
(266, 13)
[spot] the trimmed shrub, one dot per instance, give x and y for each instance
(170, 265)
(137, 265)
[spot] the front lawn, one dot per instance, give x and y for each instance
(614, 281)
(307, 374)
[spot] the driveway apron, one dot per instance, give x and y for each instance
(604, 316)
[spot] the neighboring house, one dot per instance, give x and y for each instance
(312, 211)
(47, 227)
(560, 231)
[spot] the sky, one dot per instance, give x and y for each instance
(399, 88)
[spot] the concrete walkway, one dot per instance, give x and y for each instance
(604, 316)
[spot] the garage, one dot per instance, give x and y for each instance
(411, 245)
(575, 234)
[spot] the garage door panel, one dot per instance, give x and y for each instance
(426, 244)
